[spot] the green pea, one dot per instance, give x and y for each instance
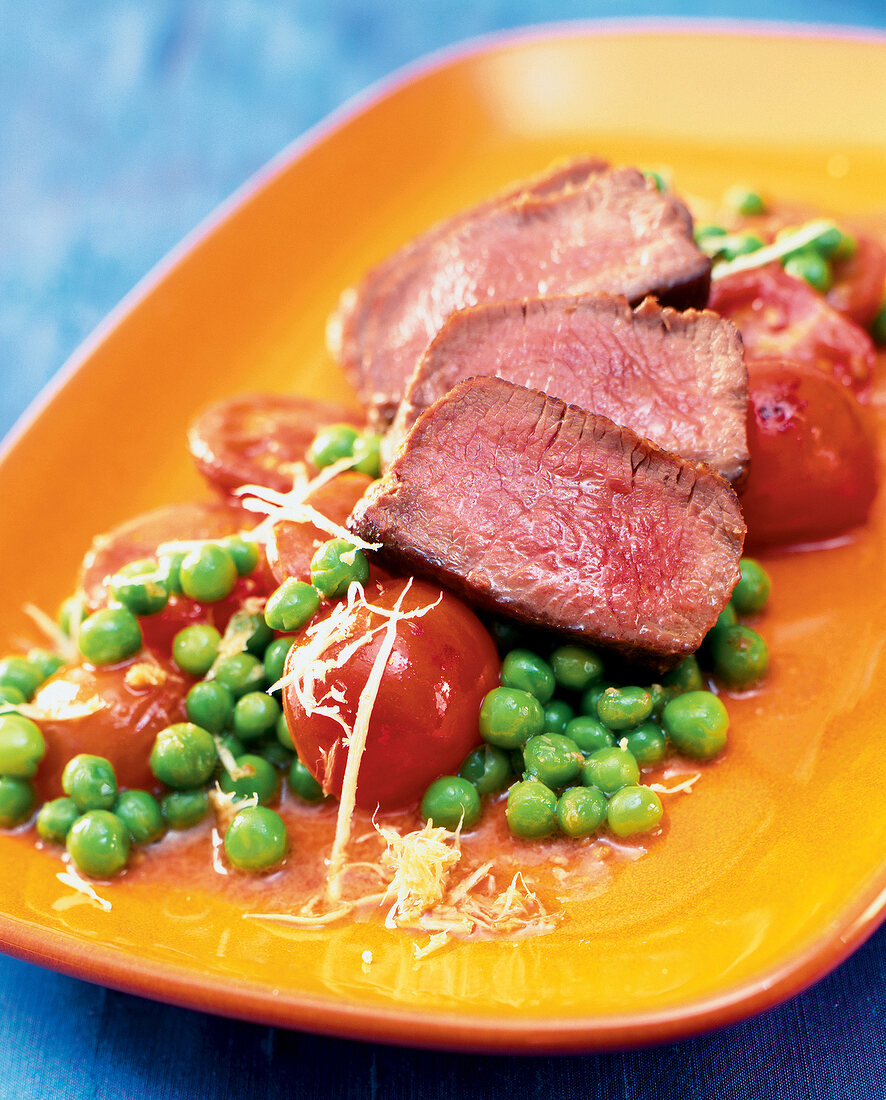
(507, 634)
(184, 809)
(48, 663)
(686, 676)
(240, 673)
(331, 444)
(576, 668)
(834, 244)
(109, 636)
(709, 238)
(208, 573)
(696, 723)
(233, 745)
(367, 449)
(70, 614)
(558, 715)
(255, 714)
(624, 708)
(335, 565)
(740, 244)
(283, 734)
(20, 673)
(256, 839)
(98, 843)
(589, 733)
(11, 695)
(90, 781)
(526, 671)
(610, 770)
(261, 780)
(660, 696)
(633, 810)
(55, 819)
(244, 554)
(508, 717)
(169, 566)
(17, 799)
(253, 628)
(581, 811)
(273, 751)
(292, 605)
(647, 744)
(591, 697)
(141, 587)
(184, 756)
(878, 326)
(302, 784)
(451, 803)
(22, 746)
(657, 179)
(554, 759)
(811, 267)
(752, 591)
(741, 656)
(195, 648)
(209, 704)
(140, 812)
(488, 768)
(275, 658)
(727, 617)
(532, 809)
(744, 201)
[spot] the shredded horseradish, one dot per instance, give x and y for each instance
(65, 647)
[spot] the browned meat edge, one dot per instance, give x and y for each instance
(440, 512)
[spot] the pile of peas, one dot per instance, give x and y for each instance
(569, 745)
(230, 713)
(811, 262)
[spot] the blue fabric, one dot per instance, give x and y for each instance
(122, 123)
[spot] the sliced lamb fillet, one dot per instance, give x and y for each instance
(617, 234)
(560, 518)
(678, 379)
(347, 326)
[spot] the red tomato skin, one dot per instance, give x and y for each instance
(123, 731)
(255, 438)
(424, 721)
(813, 471)
(780, 316)
(860, 282)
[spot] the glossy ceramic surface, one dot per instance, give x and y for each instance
(774, 867)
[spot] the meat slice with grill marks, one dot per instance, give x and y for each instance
(614, 234)
(558, 517)
(678, 379)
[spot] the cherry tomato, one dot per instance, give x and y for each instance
(256, 439)
(424, 721)
(291, 545)
(139, 538)
(860, 282)
(115, 711)
(813, 471)
(779, 315)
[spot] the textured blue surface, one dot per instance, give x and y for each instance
(121, 125)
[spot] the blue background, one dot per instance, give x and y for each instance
(122, 124)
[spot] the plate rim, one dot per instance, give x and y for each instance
(117, 969)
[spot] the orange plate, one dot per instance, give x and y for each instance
(773, 869)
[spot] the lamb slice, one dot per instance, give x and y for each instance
(347, 326)
(617, 234)
(560, 518)
(678, 379)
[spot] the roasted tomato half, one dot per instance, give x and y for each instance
(256, 439)
(115, 711)
(424, 721)
(779, 315)
(813, 454)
